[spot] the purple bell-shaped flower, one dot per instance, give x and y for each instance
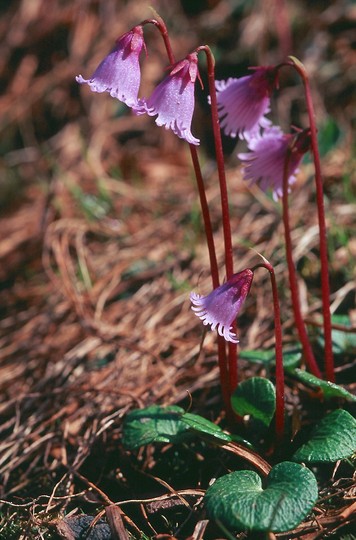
(119, 73)
(264, 164)
(173, 99)
(243, 103)
(221, 307)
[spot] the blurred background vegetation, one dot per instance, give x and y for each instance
(42, 109)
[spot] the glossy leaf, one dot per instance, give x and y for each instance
(202, 426)
(291, 358)
(329, 389)
(258, 356)
(154, 424)
(240, 501)
(332, 439)
(172, 424)
(343, 342)
(255, 397)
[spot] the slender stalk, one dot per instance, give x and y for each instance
(232, 347)
(293, 284)
(160, 24)
(279, 358)
(233, 368)
(158, 21)
(220, 162)
(279, 418)
(223, 367)
(224, 375)
(323, 247)
(206, 217)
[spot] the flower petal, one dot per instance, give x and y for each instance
(173, 100)
(220, 308)
(264, 164)
(119, 73)
(244, 102)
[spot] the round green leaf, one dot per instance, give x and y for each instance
(239, 500)
(255, 397)
(332, 439)
(329, 389)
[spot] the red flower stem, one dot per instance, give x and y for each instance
(233, 374)
(197, 169)
(223, 368)
(293, 284)
(279, 418)
(223, 196)
(160, 24)
(220, 162)
(279, 358)
(224, 374)
(323, 247)
(206, 217)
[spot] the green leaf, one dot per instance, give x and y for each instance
(330, 390)
(240, 440)
(157, 424)
(239, 500)
(328, 135)
(154, 424)
(332, 439)
(202, 426)
(255, 397)
(259, 356)
(291, 358)
(342, 342)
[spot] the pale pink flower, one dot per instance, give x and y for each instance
(221, 307)
(173, 99)
(264, 164)
(244, 102)
(119, 73)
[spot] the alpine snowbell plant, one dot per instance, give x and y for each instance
(239, 106)
(242, 105)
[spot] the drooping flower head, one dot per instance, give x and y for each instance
(173, 99)
(221, 306)
(264, 164)
(243, 102)
(119, 73)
